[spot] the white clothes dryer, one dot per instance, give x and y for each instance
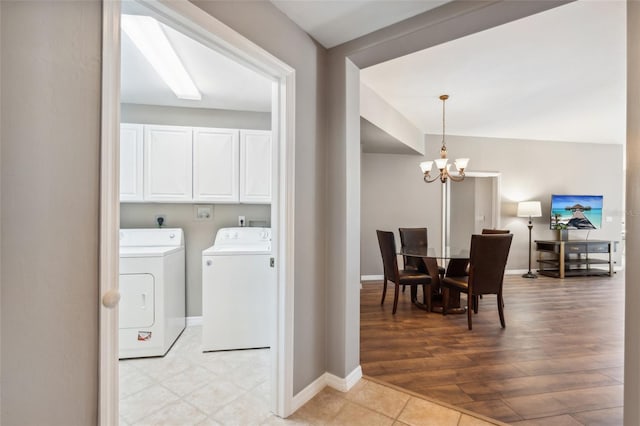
(238, 290)
(152, 289)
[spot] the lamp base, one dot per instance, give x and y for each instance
(529, 275)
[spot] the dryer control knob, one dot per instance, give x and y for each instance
(172, 235)
(209, 263)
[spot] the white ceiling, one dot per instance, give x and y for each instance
(333, 22)
(558, 75)
(224, 84)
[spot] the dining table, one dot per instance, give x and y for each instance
(454, 262)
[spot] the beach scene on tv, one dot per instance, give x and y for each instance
(576, 211)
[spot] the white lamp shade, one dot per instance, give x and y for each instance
(425, 166)
(441, 163)
(529, 209)
(461, 163)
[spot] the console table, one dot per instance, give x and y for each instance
(574, 258)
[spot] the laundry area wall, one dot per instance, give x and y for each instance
(199, 232)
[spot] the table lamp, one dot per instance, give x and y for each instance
(529, 209)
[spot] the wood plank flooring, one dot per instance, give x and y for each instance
(559, 361)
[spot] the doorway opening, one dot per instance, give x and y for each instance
(190, 21)
(473, 204)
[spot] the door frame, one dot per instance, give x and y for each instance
(213, 33)
(446, 203)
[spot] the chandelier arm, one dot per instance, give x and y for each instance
(427, 176)
(458, 178)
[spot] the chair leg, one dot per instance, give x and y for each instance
(470, 302)
(384, 291)
(500, 310)
(445, 300)
(476, 301)
(404, 287)
(395, 300)
(414, 293)
(427, 292)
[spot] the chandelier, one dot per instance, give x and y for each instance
(441, 163)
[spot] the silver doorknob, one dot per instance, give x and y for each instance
(111, 298)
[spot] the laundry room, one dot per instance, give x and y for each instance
(195, 181)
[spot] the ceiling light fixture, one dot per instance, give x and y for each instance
(148, 36)
(441, 163)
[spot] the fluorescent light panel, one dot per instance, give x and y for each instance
(150, 39)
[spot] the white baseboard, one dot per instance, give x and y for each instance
(343, 385)
(306, 394)
(194, 321)
(327, 379)
(371, 277)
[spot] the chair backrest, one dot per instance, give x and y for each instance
(494, 231)
(413, 239)
(387, 243)
(487, 262)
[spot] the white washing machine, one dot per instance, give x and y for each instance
(238, 290)
(152, 289)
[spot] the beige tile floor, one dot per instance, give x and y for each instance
(188, 387)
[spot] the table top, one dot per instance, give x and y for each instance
(450, 253)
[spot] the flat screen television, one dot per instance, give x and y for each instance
(576, 211)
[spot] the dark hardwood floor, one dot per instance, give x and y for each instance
(559, 361)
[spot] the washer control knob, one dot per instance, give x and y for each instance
(209, 263)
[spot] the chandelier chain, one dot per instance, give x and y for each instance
(443, 121)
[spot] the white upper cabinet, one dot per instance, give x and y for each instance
(168, 158)
(255, 166)
(177, 164)
(216, 164)
(131, 162)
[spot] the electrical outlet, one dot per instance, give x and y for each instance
(241, 221)
(203, 212)
(161, 220)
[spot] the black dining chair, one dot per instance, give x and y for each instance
(487, 231)
(399, 277)
(487, 262)
(416, 239)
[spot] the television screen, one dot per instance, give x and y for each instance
(576, 211)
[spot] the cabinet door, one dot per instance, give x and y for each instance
(131, 162)
(215, 165)
(167, 163)
(255, 166)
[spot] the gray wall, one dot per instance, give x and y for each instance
(528, 173)
(50, 132)
(199, 234)
(632, 290)
(269, 28)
